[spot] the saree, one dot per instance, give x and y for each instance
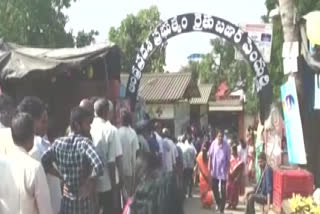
(234, 181)
(206, 194)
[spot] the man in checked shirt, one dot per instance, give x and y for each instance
(72, 155)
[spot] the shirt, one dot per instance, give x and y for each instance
(243, 154)
(73, 155)
(266, 185)
(143, 144)
(172, 155)
(40, 146)
(6, 143)
(119, 152)
(23, 186)
(105, 140)
(161, 148)
(189, 155)
(130, 146)
(166, 154)
(220, 160)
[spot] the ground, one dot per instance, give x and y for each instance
(193, 206)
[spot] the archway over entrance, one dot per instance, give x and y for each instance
(197, 22)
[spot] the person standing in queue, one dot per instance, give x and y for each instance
(219, 163)
(73, 155)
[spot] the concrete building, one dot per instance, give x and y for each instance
(167, 97)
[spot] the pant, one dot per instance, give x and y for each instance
(188, 181)
(128, 186)
(117, 206)
(259, 198)
(106, 202)
(220, 196)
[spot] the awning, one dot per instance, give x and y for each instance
(165, 87)
(18, 61)
(226, 105)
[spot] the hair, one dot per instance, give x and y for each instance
(78, 115)
(21, 128)
(126, 119)
(166, 132)
(33, 106)
(6, 109)
(219, 131)
(262, 156)
(157, 125)
(101, 106)
(234, 149)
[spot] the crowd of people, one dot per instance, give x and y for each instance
(96, 167)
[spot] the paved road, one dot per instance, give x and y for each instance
(193, 206)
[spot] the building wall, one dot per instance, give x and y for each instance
(182, 116)
(160, 111)
(204, 115)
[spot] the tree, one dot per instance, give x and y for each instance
(310, 122)
(133, 31)
(38, 24)
(220, 65)
(84, 39)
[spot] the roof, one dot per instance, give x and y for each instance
(165, 87)
(226, 105)
(205, 91)
(17, 61)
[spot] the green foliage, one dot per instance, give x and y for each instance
(193, 67)
(133, 31)
(84, 39)
(276, 66)
(306, 6)
(220, 65)
(40, 23)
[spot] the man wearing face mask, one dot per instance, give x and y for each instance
(72, 155)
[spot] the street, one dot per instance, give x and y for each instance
(193, 206)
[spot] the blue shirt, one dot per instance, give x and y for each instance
(220, 160)
(266, 185)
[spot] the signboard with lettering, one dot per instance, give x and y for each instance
(261, 34)
(197, 22)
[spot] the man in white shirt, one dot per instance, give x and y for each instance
(24, 188)
(37, 109)
(189, 160)
(130, 147)
(171, 158)
(105, 138)
(119, 154)
(163, 145)
(6, 110)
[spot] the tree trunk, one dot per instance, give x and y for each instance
(309, 119)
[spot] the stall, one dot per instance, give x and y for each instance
(60, 77)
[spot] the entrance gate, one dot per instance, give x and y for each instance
(195, 22)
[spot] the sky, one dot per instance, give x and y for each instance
(101, 15)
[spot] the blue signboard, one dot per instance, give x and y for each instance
(293, 126)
